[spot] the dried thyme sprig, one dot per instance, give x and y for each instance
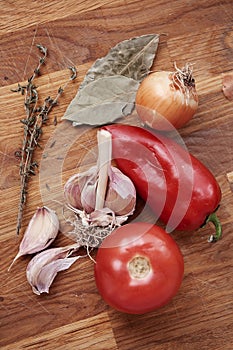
(36, 118)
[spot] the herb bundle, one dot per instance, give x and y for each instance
(36, 117)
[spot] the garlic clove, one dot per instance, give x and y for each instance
(40, 233)
(88, 194)
(80, 190)
(72, 191)
(121, 193)
(43, 268)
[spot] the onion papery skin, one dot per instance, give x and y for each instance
(162, 105)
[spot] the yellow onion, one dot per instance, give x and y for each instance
(167, 99)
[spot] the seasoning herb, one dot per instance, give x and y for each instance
(103, 101)
(131, 58)
(36, 117)
(109, 88)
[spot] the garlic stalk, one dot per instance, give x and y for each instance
(104, 162)
(40, 233)
(43, 268)
(103, 195)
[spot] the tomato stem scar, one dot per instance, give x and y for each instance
(139, 267)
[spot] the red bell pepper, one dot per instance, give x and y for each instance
(180, 190)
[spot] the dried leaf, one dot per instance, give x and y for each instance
(227, 86)
(103, 101)
(109, 88)
(132, 58)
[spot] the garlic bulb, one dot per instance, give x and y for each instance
(40, 233)
(44, 266)
(102, 195)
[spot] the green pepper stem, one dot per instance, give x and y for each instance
(218, 227)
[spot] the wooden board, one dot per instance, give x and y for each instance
(73, 315)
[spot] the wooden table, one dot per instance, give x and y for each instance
(73, 315)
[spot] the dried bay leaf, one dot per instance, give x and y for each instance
(131, 58)
(103, 101)
(109, 88)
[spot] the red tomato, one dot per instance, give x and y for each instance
(139, 268)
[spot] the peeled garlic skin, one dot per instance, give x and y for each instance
(121, 193)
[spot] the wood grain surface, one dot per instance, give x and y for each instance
(73, 315)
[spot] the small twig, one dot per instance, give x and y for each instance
(36, 117)
(74, 73)
(30, 105)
